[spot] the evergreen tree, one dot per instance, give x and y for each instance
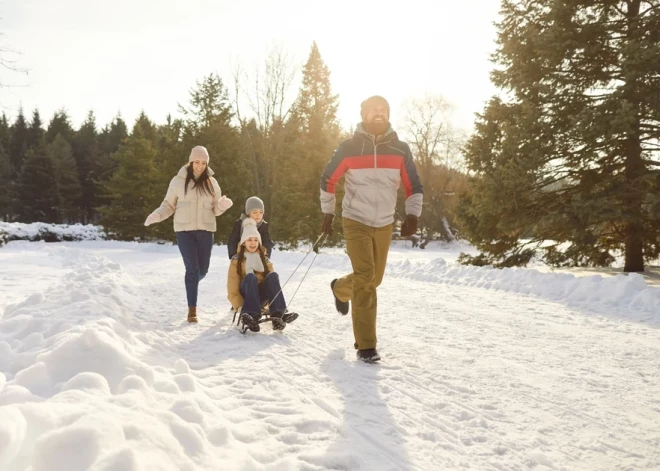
(5, 185)
(570, 156)
(35, 131)
(262, 150)
(171, 154)
(109, 139)
(316, 106)
(6, 182)
(312, 134)
(111, 136)
(38, 195)
(5, 133)
(18, 144)
(85, 151)
(66, 176)
(60, 123)
(145, 127)
(209, 105)
(171, 157)
(252, 145)
(133, 191)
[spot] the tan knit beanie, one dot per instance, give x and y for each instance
(199, 153)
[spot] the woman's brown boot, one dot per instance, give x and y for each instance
(192, 314)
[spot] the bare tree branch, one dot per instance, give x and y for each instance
(437, 146)
(9, 59)
(267, 92)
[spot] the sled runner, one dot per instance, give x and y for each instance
(245, 322)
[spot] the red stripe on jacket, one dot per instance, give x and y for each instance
(367, 161)
(336, 175)
(358, 162)
(407, 186)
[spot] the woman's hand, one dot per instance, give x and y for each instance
(151, 219)
(224, 203)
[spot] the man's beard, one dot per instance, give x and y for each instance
(377, 129)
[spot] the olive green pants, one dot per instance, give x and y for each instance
(367, 248)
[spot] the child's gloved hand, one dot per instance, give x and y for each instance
(151, 219)
(224, 203)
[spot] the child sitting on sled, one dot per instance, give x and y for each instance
(252, 282)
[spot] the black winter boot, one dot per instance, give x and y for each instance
(341, 306)
(369, 355)
(250, 322)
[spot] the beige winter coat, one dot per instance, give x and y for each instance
(234, 281)
(193, 211)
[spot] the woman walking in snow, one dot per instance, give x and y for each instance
(195, 199)
(252, 282)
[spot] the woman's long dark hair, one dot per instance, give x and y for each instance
(202, 184)
(241, 257)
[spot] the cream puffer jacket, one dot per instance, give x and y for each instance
(194, 210)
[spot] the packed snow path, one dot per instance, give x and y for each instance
(100, 371)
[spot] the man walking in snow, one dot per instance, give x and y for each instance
(375, 163)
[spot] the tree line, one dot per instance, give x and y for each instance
(562, 165)
(260, 144)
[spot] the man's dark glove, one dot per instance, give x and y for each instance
(409, 226)
(326, 225)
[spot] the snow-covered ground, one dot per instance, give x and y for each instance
(482, 369)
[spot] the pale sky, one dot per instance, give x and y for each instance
(132, 55)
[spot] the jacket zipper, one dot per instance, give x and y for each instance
(376, 167)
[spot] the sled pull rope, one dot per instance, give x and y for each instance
(301, 262)
(310, 266)
(317, 245)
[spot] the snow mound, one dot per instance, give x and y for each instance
(627, 293)
(49, 232)
(70, 369)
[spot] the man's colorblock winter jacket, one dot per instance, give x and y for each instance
(374, 171)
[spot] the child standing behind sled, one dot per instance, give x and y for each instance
(252, 282)
(254, 208)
